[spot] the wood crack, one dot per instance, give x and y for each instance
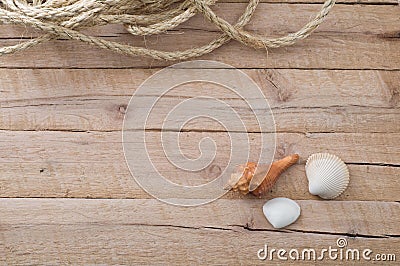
(246, 227)
(231, 228)
(75, 100)
(158, 130)
(390, 35)
(375, 164)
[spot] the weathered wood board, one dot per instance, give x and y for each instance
(66, 193)
(350, 39)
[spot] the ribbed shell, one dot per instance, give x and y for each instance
(327, 174)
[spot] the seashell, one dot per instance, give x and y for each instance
(327, 174)
(258, 179)
(281, 212)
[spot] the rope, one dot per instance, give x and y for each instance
(66, 19)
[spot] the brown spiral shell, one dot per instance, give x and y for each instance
(240, 179)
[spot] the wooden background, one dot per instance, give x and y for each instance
(67, 196)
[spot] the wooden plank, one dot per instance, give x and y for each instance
(65, 164)
(107, 114)
(98, 146)
(301, 101)
(321, 51)
(144, 245)
(282, 87)
(342, 42)
(331, 217)
(270, 19)
(225, 231)
(113, 180)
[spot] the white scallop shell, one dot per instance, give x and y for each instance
(281, 212)
(327, 174)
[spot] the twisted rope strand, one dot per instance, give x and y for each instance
(65, 19)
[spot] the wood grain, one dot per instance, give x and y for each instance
(67, 196)
(349, 39)
(113, 180)
(282, 87)
(92, 165)
(345, 218)
(98, 146)
(147, 231)
(131, 244)
(106, 114)
(97, 99)
(269, 19)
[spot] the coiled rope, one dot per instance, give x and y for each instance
(65, 19)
